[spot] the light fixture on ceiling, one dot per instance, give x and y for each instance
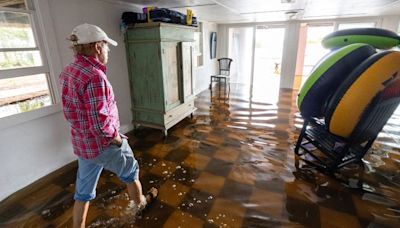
(288, 1)
(291, 14)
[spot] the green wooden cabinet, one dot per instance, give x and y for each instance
(160, 60)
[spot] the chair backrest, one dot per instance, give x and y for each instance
(225, 66)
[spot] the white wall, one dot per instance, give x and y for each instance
(203, 73)
(390, 22)
(223, 41)
(35, 148)
(67, 14)
(31, 150)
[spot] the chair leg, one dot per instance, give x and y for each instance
(211, 81)
(219, 87)
(365, 149)
(229, 86)
(301, 136)
(224, 87)
(226, 84)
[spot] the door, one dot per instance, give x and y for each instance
(267, 62)
(145, 76)
(186, 63)
(169, 52)
(241, 51)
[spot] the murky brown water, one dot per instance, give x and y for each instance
(233, 165)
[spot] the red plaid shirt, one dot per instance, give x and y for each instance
(89, 106)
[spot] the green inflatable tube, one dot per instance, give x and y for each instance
(376, 37)
(327, 76)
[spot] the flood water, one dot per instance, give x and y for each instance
(233, 165)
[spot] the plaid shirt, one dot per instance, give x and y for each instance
(89, 106)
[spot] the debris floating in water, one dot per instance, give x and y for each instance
(46, 212)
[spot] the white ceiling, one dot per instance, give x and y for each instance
(234, 11)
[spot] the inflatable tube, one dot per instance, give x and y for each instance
(376, 37)
(327, 75)
(378, 112)
(353, 97)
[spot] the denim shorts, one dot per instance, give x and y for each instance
(119, 160)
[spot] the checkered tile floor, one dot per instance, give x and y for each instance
(231, 166)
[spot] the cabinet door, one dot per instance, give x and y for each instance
(146, 76)
(170, 55)
(186, 62)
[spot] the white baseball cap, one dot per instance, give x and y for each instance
(87, 33)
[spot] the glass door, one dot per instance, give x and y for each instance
(241, 51)
(267, 62)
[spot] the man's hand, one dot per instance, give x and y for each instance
(117, 140)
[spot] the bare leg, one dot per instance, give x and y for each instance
(135, 191)
(79, 215)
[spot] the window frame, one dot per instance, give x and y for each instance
(41, 23)
(199, 54)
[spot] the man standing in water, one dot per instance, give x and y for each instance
(90, 108)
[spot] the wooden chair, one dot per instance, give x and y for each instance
(223, 75)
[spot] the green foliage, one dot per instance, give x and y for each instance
(30, 105)
(12, 37)
(16, 60)
(15, 37)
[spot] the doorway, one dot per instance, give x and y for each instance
(257, 58)
(241, 51)
(268, 51)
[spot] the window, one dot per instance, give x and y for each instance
(356, 25)
(24, 72)
(198, 45)
(314, 51)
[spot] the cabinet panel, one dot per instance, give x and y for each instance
(186, 62)
(178, 111)
(146, 85)
(177, 33)
(148, 117)
(171, 75)
(141, 34)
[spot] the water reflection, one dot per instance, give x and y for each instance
(233, 166)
